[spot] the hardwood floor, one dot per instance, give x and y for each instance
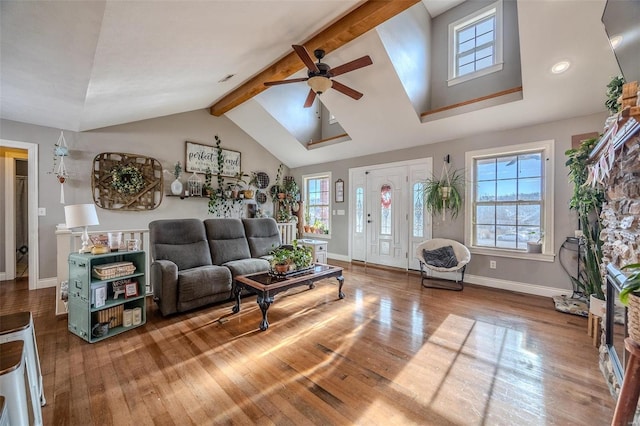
(391, 352)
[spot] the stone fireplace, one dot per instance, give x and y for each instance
(617, 160)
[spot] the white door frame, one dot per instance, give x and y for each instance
(32, 197)
(428, 161)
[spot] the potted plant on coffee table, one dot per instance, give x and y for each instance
(281, 259)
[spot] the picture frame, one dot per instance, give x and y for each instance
(131, 290)
(339, 191)
(199, 157)
(132, 244)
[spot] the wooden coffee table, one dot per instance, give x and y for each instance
(267, 286)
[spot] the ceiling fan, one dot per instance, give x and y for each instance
(320, 74)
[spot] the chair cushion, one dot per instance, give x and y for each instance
(227, 240)
(247, 266)
(263, 235)
(198, 283)
(182, 241)
(442, 257)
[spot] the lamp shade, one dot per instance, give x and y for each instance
(319, 84)
(80, 215)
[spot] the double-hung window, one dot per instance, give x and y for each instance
(510, 196)
(317, 196)
(475, 44)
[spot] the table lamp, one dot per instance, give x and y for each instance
(81, 215)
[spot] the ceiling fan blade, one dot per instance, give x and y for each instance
(346, 90)
(353, 65)
(306, 58)
(293, 80)
(310, 98)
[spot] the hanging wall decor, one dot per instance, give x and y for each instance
(126, 182)
(60, 150)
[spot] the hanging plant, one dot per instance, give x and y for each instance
(444, 193)
(127, 179)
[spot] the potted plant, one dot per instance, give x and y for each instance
(288, 258)
(614, 92)
(253, 183)
(281, 259)
(630, 296)
(534, 245)
(444, 193)
(587, 200)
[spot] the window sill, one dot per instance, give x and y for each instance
(485, 71)
(514, 254)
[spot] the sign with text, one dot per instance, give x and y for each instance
(199, 157)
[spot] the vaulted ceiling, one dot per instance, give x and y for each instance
(91, 64)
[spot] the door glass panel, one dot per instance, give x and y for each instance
(418, 206)
(359, 209)
(385, 209)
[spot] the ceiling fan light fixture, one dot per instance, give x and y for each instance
(319, 84)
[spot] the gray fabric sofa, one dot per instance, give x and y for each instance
(194, 262)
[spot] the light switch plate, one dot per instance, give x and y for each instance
(42, 211)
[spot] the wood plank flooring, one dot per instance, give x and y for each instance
(390, 353)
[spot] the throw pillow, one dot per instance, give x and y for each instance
(442, 257)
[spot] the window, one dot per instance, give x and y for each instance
(511, 200)
(317, 195)
(418, 210)
(475, 44)
(359, 209)
(385, 209)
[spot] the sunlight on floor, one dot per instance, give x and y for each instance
(463, 351)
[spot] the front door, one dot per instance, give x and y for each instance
(387, 217)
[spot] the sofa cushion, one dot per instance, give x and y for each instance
(198, 283)
(247, 266)
(227, 241)
(182, 241)
(262, 234)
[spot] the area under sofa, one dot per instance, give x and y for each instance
(195, 262)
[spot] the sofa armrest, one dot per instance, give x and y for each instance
(164, 278)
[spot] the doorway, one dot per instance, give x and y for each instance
(23, 192)
(387, 219)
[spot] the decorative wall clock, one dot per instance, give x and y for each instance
(126, 182)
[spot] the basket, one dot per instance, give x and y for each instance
(111, 315)
(113, 270)
(633, 317)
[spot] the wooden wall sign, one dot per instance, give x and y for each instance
(126, 182)
(198, 157)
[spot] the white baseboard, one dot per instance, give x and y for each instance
(3, 276)
(340, 257)
(46, 282)
(535, 289)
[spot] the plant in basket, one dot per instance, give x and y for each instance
(630, 296)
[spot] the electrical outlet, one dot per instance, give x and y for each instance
(492, 264)
(42, 211)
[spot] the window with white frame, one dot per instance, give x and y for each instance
(510, 194)
(317, 196)
(475, 44)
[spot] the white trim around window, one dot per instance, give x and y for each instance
(305, 179)
(547, 148)
(455, 27)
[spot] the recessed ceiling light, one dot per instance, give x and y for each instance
(615, 41)
(560, 67)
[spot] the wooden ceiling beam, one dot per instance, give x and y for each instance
(362, 19)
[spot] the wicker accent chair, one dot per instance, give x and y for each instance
(428, 266)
